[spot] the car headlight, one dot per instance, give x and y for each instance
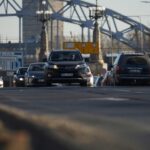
(33, 76)
(83, 69)
(21, 79)
(81, 66)
(53, 67)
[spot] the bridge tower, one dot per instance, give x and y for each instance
(32, 26)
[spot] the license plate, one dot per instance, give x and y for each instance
(135, 71)
(41, 80)
(67, 74)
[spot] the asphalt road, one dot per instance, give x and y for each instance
(93, 118)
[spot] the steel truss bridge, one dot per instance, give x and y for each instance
(77, 12)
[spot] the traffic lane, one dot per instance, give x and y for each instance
(96, 101)
(104, 123)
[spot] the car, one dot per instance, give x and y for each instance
(1, 82)
(67, 66)
(18, 77)
(35, 74)
(131, 67)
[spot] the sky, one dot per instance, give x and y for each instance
(9, 26)
(128, 8)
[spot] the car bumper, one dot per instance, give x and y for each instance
(66, 80)
(35, 81)
(132, 78)
(88, 80)
(20, 83)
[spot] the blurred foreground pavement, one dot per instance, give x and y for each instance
(23, 131)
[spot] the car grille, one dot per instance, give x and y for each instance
(66, 67)
(70, 69)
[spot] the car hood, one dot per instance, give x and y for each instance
(36, 73)
(66, 62)
(20, 76)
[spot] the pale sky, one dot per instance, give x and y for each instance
(9, 26)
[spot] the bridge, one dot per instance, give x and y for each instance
(78, 11)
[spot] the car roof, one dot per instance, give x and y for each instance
(38, 63)
(112, 54)
(62, 50)
(132, 53)
(22, 67)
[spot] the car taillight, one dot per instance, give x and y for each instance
(118, 69)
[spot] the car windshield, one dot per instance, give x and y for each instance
(22, 71)
(66, 56)
(36, 67)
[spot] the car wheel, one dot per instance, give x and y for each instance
(48, 83)
(83, 83)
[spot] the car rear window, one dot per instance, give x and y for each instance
(66, 56)
(135, 60)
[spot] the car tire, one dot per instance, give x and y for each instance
(48, 83)
(83, 83)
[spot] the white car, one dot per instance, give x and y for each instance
(1, 82)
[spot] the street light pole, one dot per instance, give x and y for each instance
(96, 13)
(43, 15)
(142, 38)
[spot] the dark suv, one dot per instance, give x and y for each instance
(67, 66)
(131, 68)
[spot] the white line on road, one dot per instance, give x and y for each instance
(107, 99)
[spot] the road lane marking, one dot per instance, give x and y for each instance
(116, 99)
(107, 99)
(123, 90)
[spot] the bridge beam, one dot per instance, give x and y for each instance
(79, 14)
